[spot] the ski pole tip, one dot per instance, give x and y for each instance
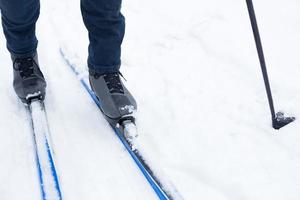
(280, 120)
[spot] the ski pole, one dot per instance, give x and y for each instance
(278, 119)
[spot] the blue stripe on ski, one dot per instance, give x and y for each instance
(53, 170)
(40, 174)
(158, 190)
(40, 167)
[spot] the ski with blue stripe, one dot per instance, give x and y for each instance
(163, 192)
(48, 178)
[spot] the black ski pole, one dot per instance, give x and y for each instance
(278, 119)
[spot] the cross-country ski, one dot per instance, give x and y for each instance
(47, 173)
(127, 132)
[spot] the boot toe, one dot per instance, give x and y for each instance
(31, 88)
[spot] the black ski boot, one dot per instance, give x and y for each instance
(29, 82)
(117, 104)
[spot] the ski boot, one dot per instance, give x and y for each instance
(117, 104)
(29, 82)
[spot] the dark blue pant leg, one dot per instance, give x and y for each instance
(106, 26)
(18, 21)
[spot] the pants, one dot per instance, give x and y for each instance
(102, 18)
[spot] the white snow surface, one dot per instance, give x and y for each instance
(202, 117)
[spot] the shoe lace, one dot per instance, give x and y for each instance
(25, 66)
(113, 82)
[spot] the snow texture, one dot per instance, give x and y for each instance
(203, 117)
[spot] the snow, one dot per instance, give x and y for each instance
(202, 117)
(130, 131)
(36, 94)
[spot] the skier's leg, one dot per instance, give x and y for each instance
(106, 26)
(18, 21)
